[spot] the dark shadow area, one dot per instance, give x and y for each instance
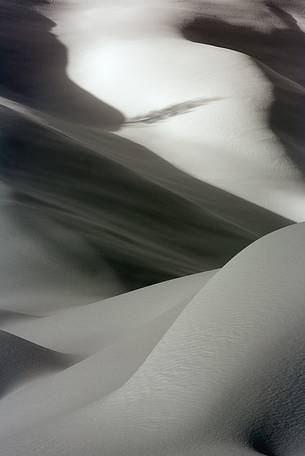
(148, 231)
(21, 361)
(282, 50)
(33, 69)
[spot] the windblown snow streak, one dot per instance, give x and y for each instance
(146, 147)
(169, 111)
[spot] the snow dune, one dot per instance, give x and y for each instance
(213, 372)
(151, 270)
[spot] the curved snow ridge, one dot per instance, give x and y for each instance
(225, 376)
(91, 327)
(22, 361)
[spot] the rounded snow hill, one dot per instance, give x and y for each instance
(218, 372)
